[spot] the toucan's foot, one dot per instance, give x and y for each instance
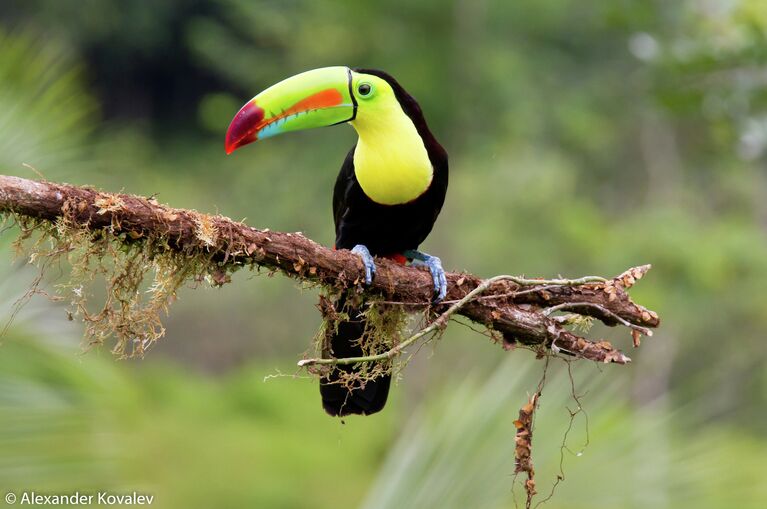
(367, 261)
(435, 267)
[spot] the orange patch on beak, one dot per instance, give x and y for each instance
(322, 99)
(250, 120)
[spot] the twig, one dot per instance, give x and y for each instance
(524, 443)
(439, 322)
(571, 305)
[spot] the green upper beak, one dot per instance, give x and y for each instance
(316, 98)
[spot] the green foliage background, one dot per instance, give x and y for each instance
(584, 137)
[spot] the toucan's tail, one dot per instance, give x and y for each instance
(364, 398)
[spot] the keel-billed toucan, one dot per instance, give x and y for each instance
(387, 196)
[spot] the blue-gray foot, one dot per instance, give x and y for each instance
(435, 267)
(367, 261)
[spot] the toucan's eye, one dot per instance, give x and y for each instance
(364, 89)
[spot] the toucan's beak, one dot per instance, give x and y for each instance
(317, 98)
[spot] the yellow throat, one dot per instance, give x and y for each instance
(390, 161)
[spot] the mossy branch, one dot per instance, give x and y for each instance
(519, 309)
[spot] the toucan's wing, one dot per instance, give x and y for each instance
(341, 192)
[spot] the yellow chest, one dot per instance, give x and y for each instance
(391, 163)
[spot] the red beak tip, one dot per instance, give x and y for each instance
(244, 124)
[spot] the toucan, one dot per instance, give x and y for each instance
(387, 196)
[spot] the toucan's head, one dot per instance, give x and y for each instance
(318, 98)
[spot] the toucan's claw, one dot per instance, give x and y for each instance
(435, 267)
(367, 261)
(438, 276)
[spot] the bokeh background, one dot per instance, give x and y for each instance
(585, 137)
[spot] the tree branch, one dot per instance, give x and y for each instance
(518, 308)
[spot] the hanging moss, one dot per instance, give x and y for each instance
(386, 326)
(135, 279)
(121, 286)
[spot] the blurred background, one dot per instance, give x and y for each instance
(585, 137)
